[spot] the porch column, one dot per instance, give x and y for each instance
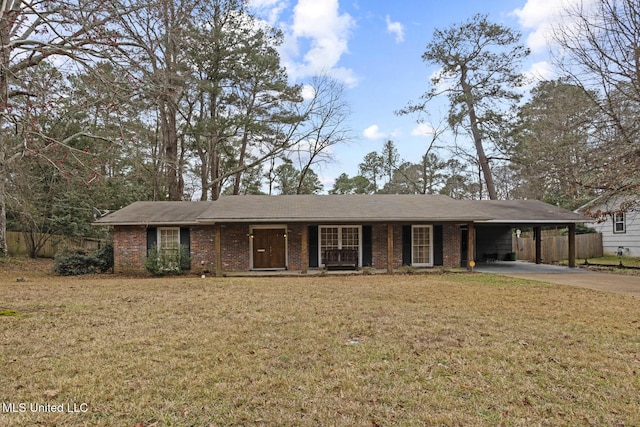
(572, 245)
(389, 248)
(471, 245)
(304, 251)
(538, 235)
(218, 231)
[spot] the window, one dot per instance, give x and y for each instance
(339, 237)
(619, 223)
(421, 247)
(169, 247)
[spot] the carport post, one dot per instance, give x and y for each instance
(537, 231)
(389, 248)
(471, 250)
(218, 242)
(572, 245)
(305, 249)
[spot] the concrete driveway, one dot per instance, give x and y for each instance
(607, 282)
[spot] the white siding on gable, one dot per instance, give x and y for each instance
(629, 240)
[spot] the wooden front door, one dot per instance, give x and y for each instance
(269, 248)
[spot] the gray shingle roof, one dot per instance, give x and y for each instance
(524, 212)
(338, 208)
(156, 213)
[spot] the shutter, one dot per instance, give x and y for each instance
(313, 246)
(367, 246)
(438, 258)
(406, 245)
(185, 241)
(152, 239)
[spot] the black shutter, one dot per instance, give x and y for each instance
(152, 239)
(367, 246)
(406, 245)
(313, 246)
(185, 241)
(438, 258)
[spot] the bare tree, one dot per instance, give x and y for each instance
(325, 113)
(598, 46)
(30, 32)
(150, 41)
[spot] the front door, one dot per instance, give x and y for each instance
(269, 248)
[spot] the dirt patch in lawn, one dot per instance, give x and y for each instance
(455, 349)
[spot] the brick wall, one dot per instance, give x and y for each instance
(294, 241)
(129, 248)
(451, 245)
(203, 249)
(397, 246)
(379, 245)
(235, 247)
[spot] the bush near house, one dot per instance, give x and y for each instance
(73, 262)
(161, 262)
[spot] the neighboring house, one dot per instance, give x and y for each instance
(620, 226)
(241, 233)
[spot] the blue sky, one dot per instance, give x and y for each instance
(375, 46)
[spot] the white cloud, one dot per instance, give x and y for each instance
(540, 16)
(540, 71)
(316, 36)
(308, 92)
(395, 28)
(423, 129)
(271, 9)
(373, 132)
(320, 28)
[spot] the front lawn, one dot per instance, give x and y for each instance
(451, 349)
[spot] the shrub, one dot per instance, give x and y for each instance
(162, 263)
(76, 262)
(105, 256)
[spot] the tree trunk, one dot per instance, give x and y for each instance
(243, 152)
(170, 143)
(4, 250)
(477, 139)
(5, 27)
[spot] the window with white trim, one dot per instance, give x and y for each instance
(339, 237)
(169, 245)
(619, 223)
(421, 245)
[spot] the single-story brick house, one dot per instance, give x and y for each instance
(243, 233)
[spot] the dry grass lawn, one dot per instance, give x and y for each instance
(445, 349)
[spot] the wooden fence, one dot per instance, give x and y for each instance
(17, 244)
(556, 248)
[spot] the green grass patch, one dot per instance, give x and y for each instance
(9, 313)
(615, 260)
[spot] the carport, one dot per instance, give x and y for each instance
(490, 240)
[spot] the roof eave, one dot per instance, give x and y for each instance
(148, 223)
(530, 221)
(332, 220)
